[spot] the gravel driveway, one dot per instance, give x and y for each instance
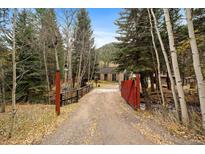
(104, 118)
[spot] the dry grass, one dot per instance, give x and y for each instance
(32, 122)
(167, 120)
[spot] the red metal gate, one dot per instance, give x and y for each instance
(130, 91)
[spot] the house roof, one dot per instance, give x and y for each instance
(107, 70)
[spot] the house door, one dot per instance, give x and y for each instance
(113, 77)
(105, 76)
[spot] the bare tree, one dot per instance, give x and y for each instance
(157, 58)
(197, 65)
(54, 39)
(82, 52)
(55, 49)
(14, 72)
(80, 63)
(185, 117)
(68, 18)
(167, 64)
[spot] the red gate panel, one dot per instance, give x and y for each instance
(130, 91)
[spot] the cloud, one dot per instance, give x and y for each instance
(103, 37)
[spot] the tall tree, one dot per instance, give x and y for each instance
(54, 44)
(157, 58)
(14, 72)
(167, 64)
(28, 59)
(134, 44)
(41, 15)
(3, 49)
(196, 63)
(185, 118)
(68, 37)
(83, 44)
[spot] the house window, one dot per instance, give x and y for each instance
(113, 77)
(105, 76)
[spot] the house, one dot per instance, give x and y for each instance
(109, 74)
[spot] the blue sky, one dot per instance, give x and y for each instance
(102, 21)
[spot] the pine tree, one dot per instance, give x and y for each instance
(83, 44)
(106, 53)
(28, 60)
(135, 44)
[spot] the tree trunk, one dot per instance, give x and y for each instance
(46, 70)
(65, 67)
(80, 62)
(197, 66)
(93, 68)
(167, 64)
(2, 89)
(157, 80)
(168, 82)
(68, 73)
(79, 70)
(157, 58)
(152, 82)
(14, 73)
(89, 66)
(84, 67)
(56, 55)
(184, 112)
(70, 66)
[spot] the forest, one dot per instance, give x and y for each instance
(35, 43)
(166, 41)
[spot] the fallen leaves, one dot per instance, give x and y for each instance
(32, 123)
(169, 122)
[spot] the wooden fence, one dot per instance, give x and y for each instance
(71, 96)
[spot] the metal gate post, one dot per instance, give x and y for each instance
(58, 92)
(138, 90)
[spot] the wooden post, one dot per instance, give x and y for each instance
(77, 94)
(138, 89)
(61, 100)
(58, 92)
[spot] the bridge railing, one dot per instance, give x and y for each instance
(130, 91)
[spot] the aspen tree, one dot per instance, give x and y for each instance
(197, 65)
(167, 65)
(157, 58)
(13, 95)
(184, 113)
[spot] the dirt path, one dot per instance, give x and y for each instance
(104, 118)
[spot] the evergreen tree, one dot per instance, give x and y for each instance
(83, 46)
(135, 44)
(28, 59)
(106, 53)
(49, 33)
